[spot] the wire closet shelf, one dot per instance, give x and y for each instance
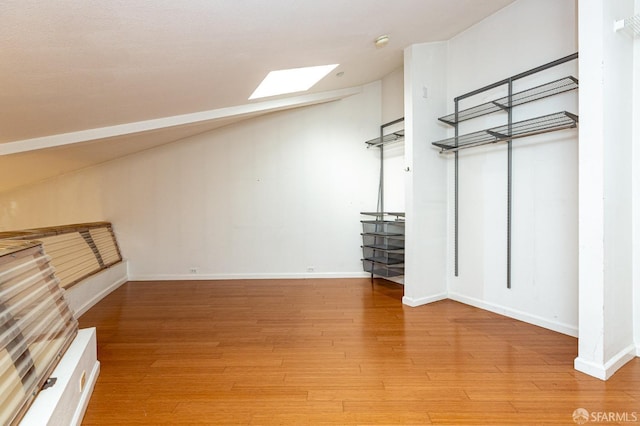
(506, 132)
(520, 129)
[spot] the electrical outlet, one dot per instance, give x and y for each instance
(193, 270)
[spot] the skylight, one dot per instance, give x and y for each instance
(291, 80)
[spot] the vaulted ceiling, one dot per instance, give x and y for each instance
(83, 82)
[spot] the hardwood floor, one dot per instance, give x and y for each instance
(331, 352)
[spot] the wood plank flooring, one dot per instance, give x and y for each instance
(341, 352)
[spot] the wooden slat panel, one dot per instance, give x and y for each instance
(106, 243)
(37, 233)
(71, 257)
(77, 251)
(36, 326)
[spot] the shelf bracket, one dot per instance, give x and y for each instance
(449, 122)
(499, 136)
(501, 106)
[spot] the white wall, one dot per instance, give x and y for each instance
(544, 280)
(606, 219)
(392, 109)
(393, 95)
(269, 197)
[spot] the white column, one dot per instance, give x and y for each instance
(426, 178)
(636, 187)
(605, 190)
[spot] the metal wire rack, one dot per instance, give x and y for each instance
(530, 127)
(383, 244)
(391, 137)
(533, 94)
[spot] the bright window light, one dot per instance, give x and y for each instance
(292, 80)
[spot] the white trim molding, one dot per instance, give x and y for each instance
(516, 314)
(248, 276)
(606, 370)
(85, 294)
(415, 302)
(251, 109)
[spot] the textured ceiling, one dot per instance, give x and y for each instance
(73, 65)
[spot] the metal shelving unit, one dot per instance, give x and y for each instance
(383, 244)
(383, 236)
(505, 133)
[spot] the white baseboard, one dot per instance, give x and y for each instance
(65, 402)
(414, 302)
(606, 370)
(265, 276)
(516, 314)
(85, 294)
